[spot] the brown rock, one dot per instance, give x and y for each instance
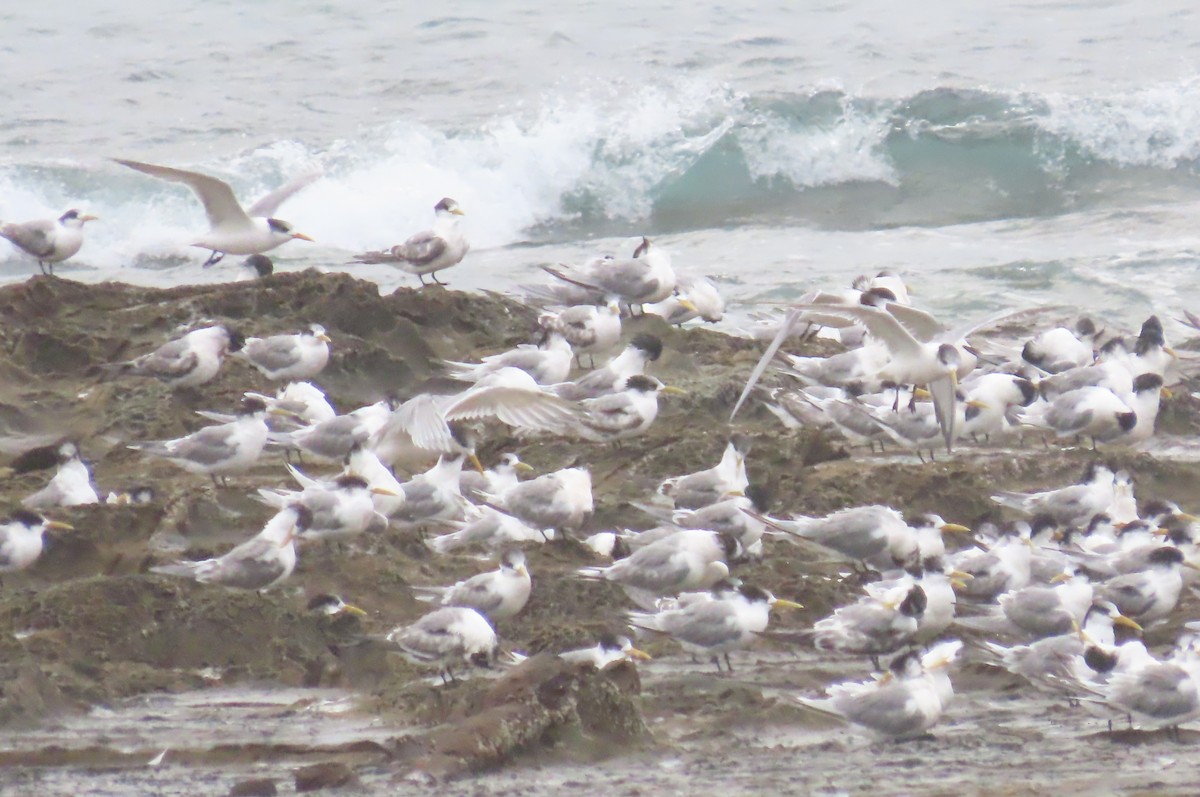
(328, 775)
(254, 787)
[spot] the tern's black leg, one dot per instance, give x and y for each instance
(717, 661)
(213, 259)
(213, 476)
(728, 663)
(433, 276)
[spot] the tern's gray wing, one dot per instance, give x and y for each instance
(857, 534)
(421, 500)
(324, 505)
(169, 360)
(1069, 414)
(579, 319)
(254, 564)
(270, 203)
(525, 359)
(532, 497)
(35, 237)
(336, 437)
(655, 568)
(591, 385)
(273, 353)
(1046, 659)
(1133, 594)
(709, 624)
(629, 278)
(1038, 610)
(478, 592)
(423, 248)
(872, 621)
(220, 205)
(1162, 691)
(430, 639)
(209, 446)
(614, 413)
(785, 330)
(887, 710)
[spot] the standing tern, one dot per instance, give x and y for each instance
(626, 414)
(445, 638)
(694, 297)
(48, 241)
(680, 562)
(189, 361)
(645, 278)
(497, 595)
(217, 450)
(717, 627)
(1069, 506)
(904, 703)
(492, 529)
(560, 500)
(873, 627)
(341, 509)
(259, 563)
(232, 229)
(288, 357)
(610, 377)
(432, 496)
(588, 328)
(430, 251)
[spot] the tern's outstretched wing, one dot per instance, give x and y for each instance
(270, 203)
(220, 204)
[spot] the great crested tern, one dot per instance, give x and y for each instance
(497, 595)
(259, 563)
(288, 357)
(48, 241)
(232, 229)
(717, 627)
(189, 361)
(445, 638)
(430, 251)
(21, 538)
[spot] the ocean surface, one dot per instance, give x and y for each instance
(998, 154)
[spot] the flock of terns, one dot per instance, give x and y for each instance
(1038, 593)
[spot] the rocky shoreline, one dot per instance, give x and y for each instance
(91, 627)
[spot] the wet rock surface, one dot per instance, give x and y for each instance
(96, 639)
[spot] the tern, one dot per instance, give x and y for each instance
(430, 251)
(21, 539)
(288, 357)
(232, 229)
(49, 241)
